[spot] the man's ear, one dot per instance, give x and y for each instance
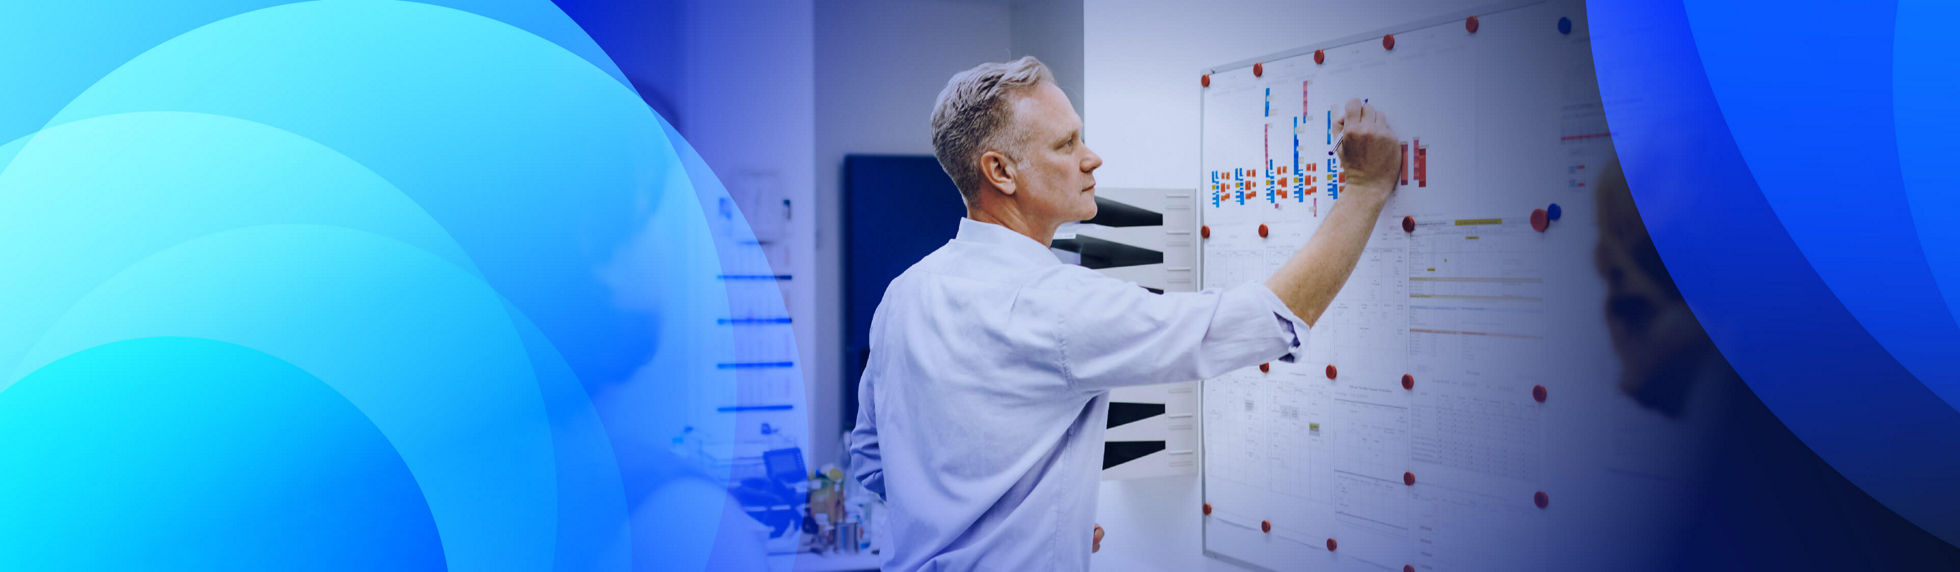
(998, 170)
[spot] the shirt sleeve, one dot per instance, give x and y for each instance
(867, 461)
(1116, 334)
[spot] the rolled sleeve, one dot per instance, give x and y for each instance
(1290, 324)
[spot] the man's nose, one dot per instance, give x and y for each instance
(1092, 162)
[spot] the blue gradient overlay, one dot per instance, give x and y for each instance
(346, 285)
(362, 284)
(1791, 162)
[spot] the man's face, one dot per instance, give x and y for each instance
(1660, 343)
(1055, 170)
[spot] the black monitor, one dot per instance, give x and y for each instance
(785, 465)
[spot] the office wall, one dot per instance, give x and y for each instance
(1141, 63)
(880, 65)
(1052, 31)
(748, 93)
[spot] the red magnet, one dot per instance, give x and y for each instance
(1319, 57)
(1540, 499)
(1409, 479)
(1388, 42)
(1265, 367)
(1204, 231)
(1540, 220)
(1262, 231)
(1258, 70)
(1207, 509)
(1412, 567)
(1470, 24)
(1265, 526)
(1331, 371)
(1204, 80)
(1331, 545)
(1408, 381)
(1538, 393)
(1408, 224)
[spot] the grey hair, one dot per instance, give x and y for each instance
(971, 112)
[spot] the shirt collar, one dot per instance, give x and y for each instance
(1017, 244)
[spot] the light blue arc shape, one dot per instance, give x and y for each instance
(1925, 85)
(421, 347)
(90, 38)
(183, 454)
(536, 162)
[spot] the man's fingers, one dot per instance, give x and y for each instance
(1371, 122)
(1364, 125)
(1097, 545)
(1361, 117)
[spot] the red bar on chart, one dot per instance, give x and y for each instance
(1405, 162)
(1422, 164)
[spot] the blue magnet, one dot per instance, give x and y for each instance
(1553, 211)
(1565, 25)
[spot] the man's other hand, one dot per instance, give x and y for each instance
(1368, 150)
(1097, 545)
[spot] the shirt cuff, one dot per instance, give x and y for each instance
(1291, 326)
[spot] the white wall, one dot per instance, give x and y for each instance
(1052, 31)
(880, 65)
(1141, 63)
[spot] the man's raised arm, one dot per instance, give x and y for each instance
(1309, 280)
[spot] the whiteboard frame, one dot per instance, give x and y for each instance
(1358, 38)
(1198, 199)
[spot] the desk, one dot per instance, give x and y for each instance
(827, 562)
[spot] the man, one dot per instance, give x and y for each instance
(1663, 350)
(983, 406)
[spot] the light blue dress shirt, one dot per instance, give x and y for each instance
(981, 412)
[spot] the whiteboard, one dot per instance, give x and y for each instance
(1333, 462)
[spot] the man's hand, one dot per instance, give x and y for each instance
(1097, 544)
(1368, 149)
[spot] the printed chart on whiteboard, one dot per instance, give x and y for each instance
(1410, 435)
